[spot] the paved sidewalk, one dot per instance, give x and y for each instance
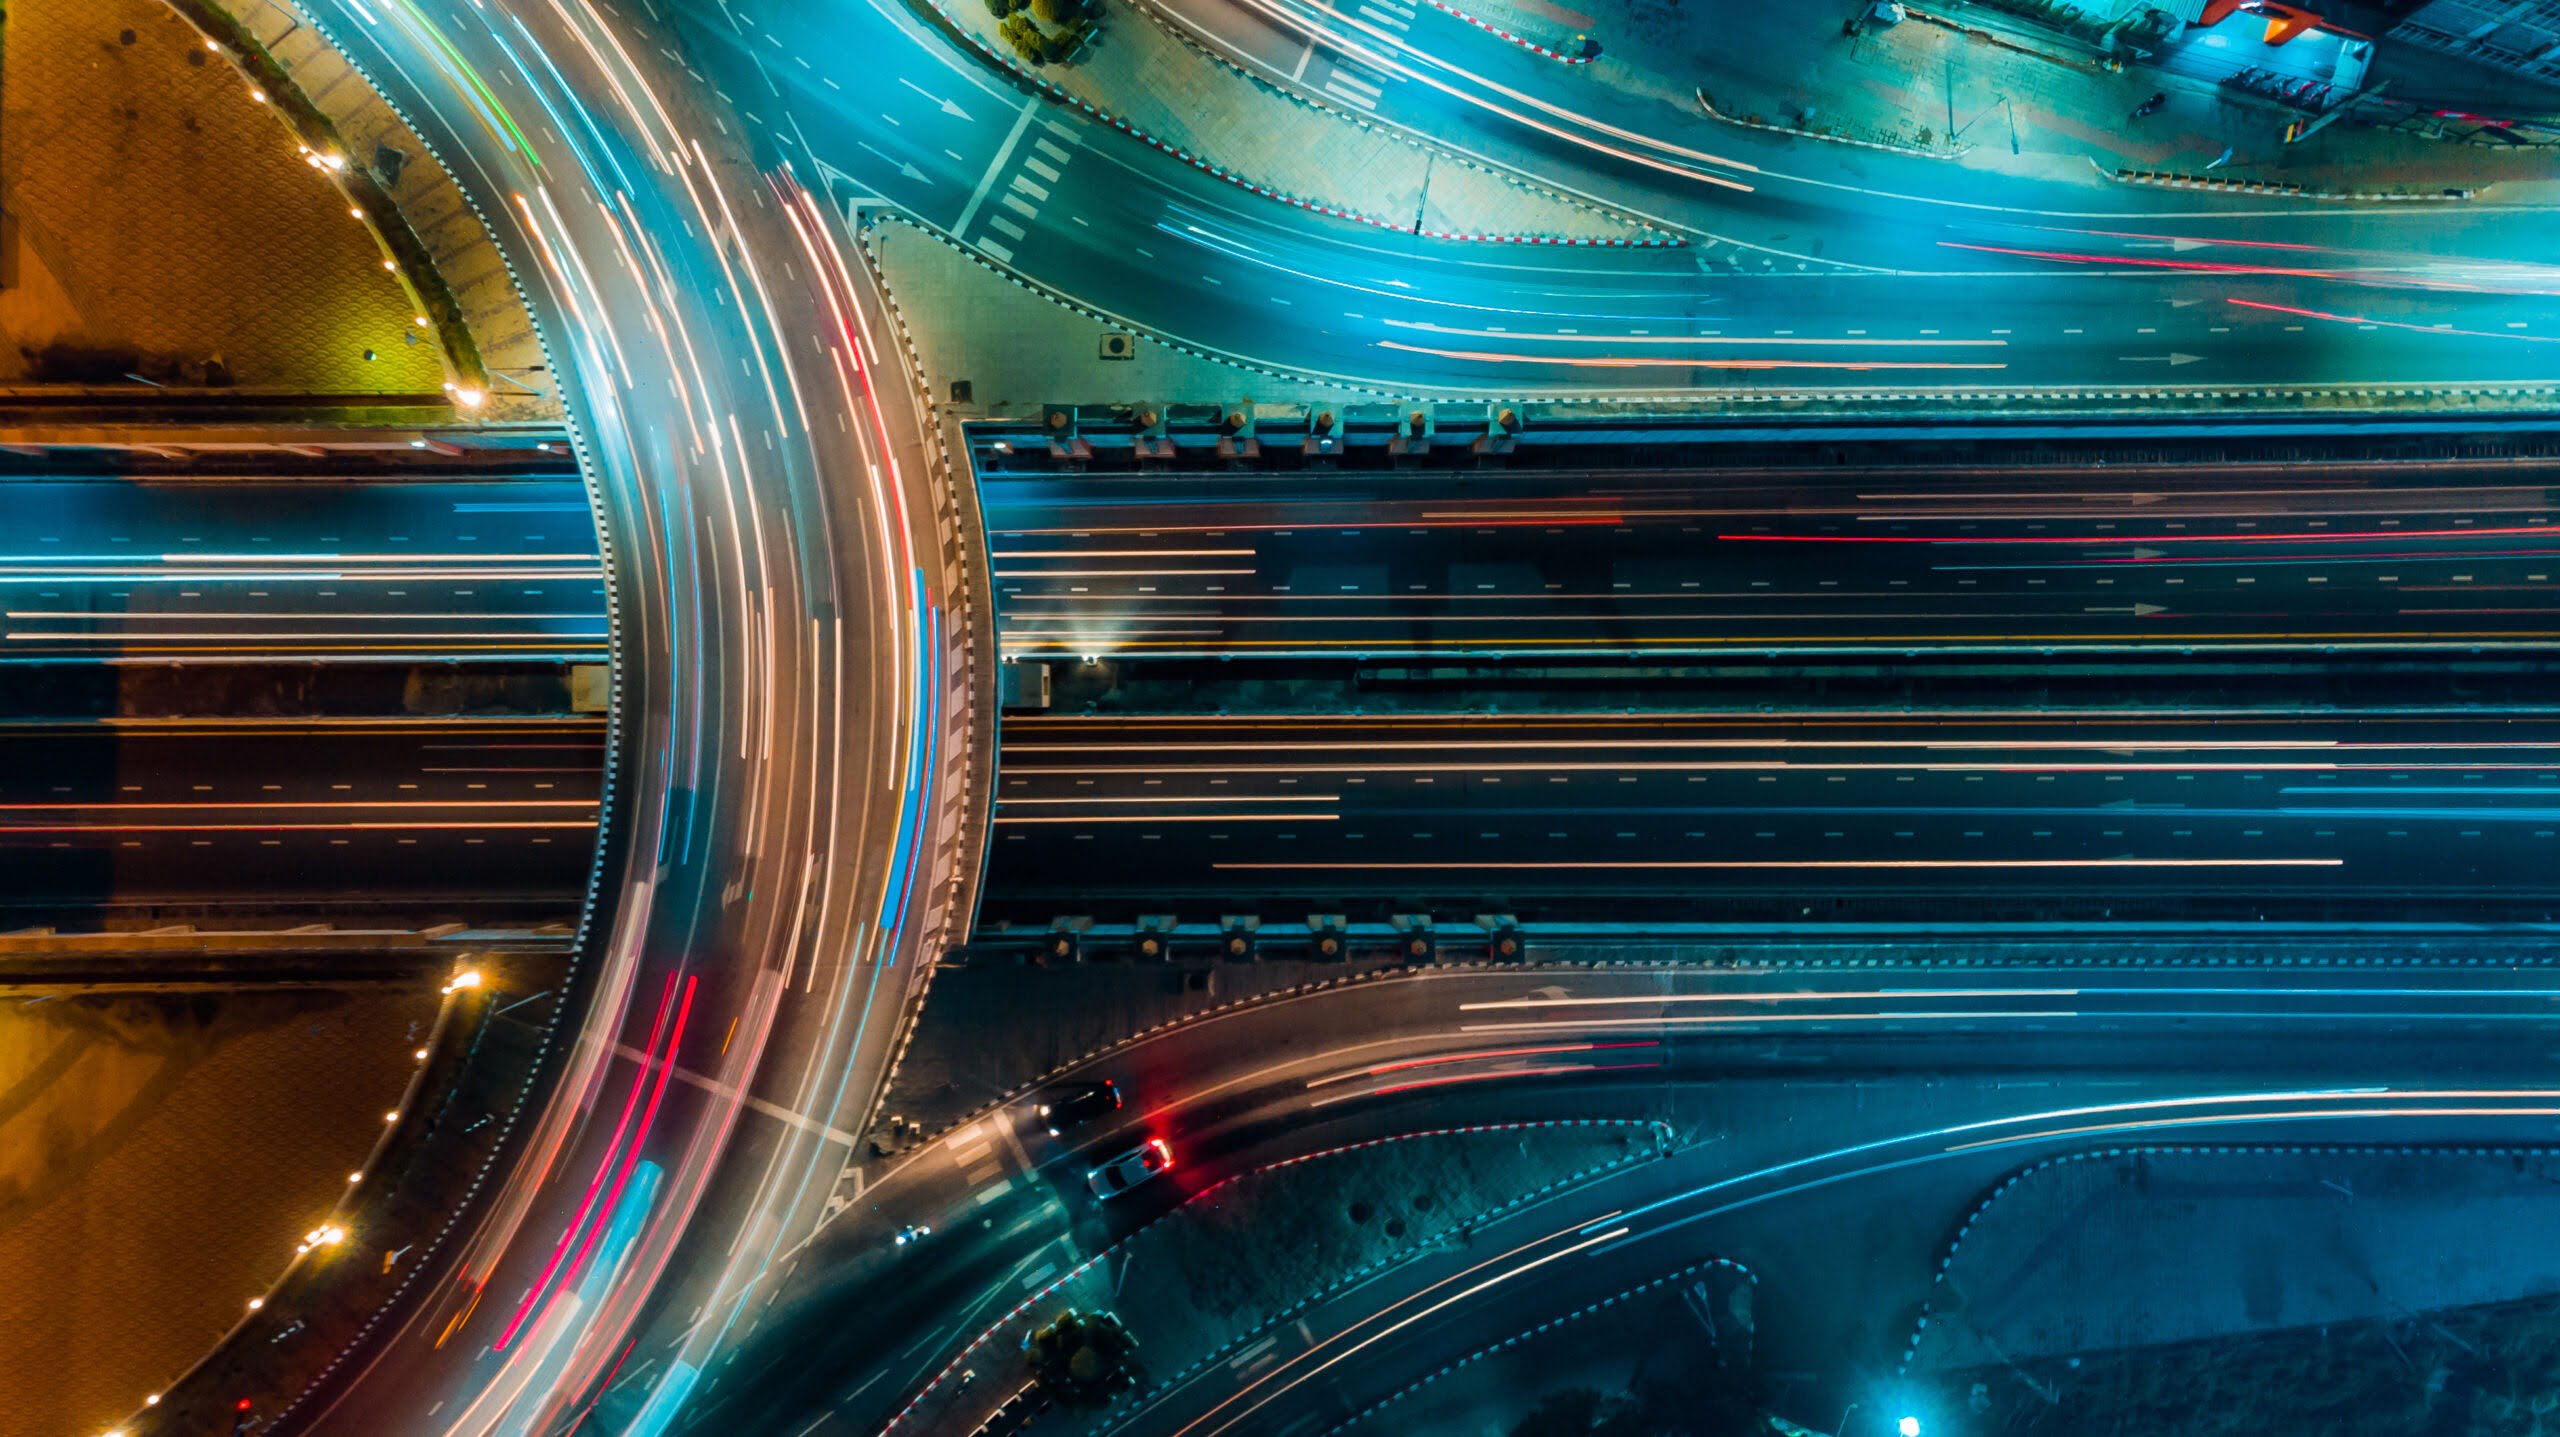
(2003, 101)
(1141, 75)
(1017, 350)
(163, 223)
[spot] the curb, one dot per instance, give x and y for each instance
(2139, 397)
(1792, 132)
(2172, 180)
(1487, 26)
(1714, 961)
(1432, 146)
(1058, 94)
(1947, 1260)
(1710, 1264)
(1344, 1282)
(1071, 1274)
(595, 921)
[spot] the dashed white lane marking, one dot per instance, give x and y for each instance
(1005, 227)
(1040, 1275)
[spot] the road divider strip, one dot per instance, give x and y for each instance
(1052, 90)
(2173, 180)
(1589, 53)
(1802, 134)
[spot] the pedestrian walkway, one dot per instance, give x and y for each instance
(164, 225)
(1139, 76)
(2000, 99)
(1017, 350)
(483, 313)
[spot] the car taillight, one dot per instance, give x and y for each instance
(1162, 1151)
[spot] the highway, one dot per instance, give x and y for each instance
(1282, 564)
(482, 819)
(789, 635)
(784, 790)
(1775, 1078)
(1869, 272)
(312, 568)
(1682, 817)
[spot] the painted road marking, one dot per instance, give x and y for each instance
(995, 167)
(719, 1089)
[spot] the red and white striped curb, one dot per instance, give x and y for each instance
(1060, 93)
(2168, 179)
(1914, 150)
(1487, 26)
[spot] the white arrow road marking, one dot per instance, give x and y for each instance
(2168, 359)
(948, 108)
(910, 171)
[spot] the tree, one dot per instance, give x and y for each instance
(1057, 12)
(1003, 8)
(1063, 45)
(1080, 1360)
(1025, 38)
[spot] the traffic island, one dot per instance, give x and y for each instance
(1196, 1285)
(2197, 1291)
(1203, 1283)
(1138, 75)
(1675, 1355)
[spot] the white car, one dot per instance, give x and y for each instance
(1147, 1160)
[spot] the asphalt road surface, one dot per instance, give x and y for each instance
(1836, 269)
(1685, 817)
(482, 818)
(235, 571)
(1781, 1079)
(777, 850)
(2309, 558)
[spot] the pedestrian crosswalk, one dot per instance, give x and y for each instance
(1350, 86)
(1023, 179)
(1351, 82)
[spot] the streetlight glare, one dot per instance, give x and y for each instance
(1908, 1427)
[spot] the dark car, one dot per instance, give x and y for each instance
(1067, 1109)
